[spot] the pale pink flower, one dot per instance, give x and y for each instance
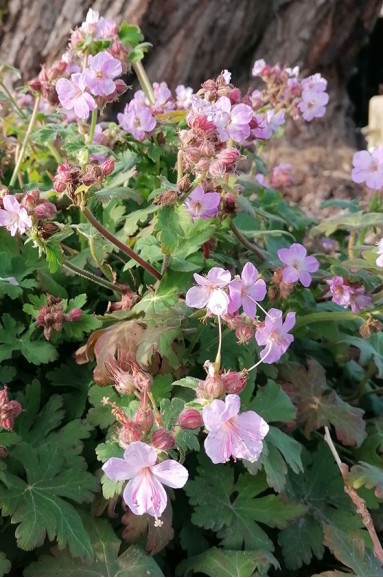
(347, 295)
(145, 493)
(299, 266)
(73, 95)
(137, 119)
(184, 96)
(258, 67)
(246, 291)
(232, 434)
(98, 27)
(274, 334)
(203, 205)
(313, 104)
(210, 291)
(164, 99)
(368, 168)
(100, 73)
(14, 217)
(232, 122)
(314, 82)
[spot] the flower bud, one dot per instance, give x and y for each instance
(75, 314)
(234, 381)
(3, 452)
(211, 388)
(144, 418)
(127, 434)
(168, 198)
(235, 95)
(45, 210)
(30, 199)
(190, 418)
(244, 334)
(184, 184)
(163, 440)
(47, 229)
(107, 167)
(35, 85)
(229, 156)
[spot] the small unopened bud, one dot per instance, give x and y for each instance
(45, 210)
(107, 167)
(229, 203)
(234, 381)
(244, 334)
(128, 434)
(190, 418)
(75, 314)
(229, 156)
(30, 199)
(35, 85)
(168, 198)
(163, 440)
(235, 95)
(47, 229)
(211, 388)
(3, 452)
(144, 418)
(184, 184)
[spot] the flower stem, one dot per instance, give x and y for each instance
(13, 101)
(358, 502)
(179, 166)
(326, 316)
(217, 363)
(25, 143)
(132, 254)
(144, 81)
(194, 185)
(93, 123)
(261, 360)
(350, 247)
(245, 242)
(91, 277)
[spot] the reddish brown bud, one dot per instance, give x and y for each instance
(144, 418)
(75, 314)
(211, 388)
(47, 229)
(229, 156)
(30, 199)
(35, 85)
(45, 210)
(190, 418)
(244, 334)
(107, 167)
(167, 198)
(127, 434)
(163, 440)
(184, 184)
(234, 381)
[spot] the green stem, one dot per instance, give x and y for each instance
(165, 264)
(55, 153)
(91, 277)
(124, 248)
(13, 101)
(217, 363)
(144, 81)
(26, 140)
(326, 316)
(194, 185)
(179, 166)
(245, 242)
(93, 123)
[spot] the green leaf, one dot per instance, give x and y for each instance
(170, 410)
(170, 227)
(189, 381)
(273, 404)
(350, 549)
(371, 348)
(300, 541)
(12, 340)
(353, 221)
(233, 509)
(53, 254)
(107, 561)
(364, 474)
(38, 503)
(13, 273)
(162, 387)
(130, 35)
(5, 564)
(219, 562)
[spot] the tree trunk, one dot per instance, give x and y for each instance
(195, 39)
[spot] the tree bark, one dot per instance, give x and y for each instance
(195, 39)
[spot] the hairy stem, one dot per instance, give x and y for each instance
(91, 277)
(358, 502)
(144, 81)
(124, 248)
(25, 143)
(179, 166)
(350, 246)
(245, 242)
(217, 362)
(92, 128)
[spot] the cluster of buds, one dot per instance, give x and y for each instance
(216, 385)
(38, 207)
(278, 288)
(69, 177)
(45, 82)
(52, 317)
(9, 410)
(127, 375)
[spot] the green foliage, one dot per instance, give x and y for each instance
(218, 562)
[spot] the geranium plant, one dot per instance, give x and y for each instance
(191, 367)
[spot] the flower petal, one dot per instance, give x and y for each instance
(145, 495)
(171, 473)
(117, 469)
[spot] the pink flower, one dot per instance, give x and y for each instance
(231, 122)
(73, 95)
(379, 260)
(313, 104)
(137, 119)
(246, 291)
(348, 295)
(144, 493)
(184, 96)
(98, 27)
(102, 69)
(231, 434)
(368, 168)
(164, 100)
(299, 266)
(274, 334)
(258, 67)
(14, 217)
(281, 175)
(210, 291)
(202, 205)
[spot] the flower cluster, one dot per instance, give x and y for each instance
(348, 294)
(52, 317)
(305, 97)
(9, 410)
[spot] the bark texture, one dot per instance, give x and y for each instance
(194, 39)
